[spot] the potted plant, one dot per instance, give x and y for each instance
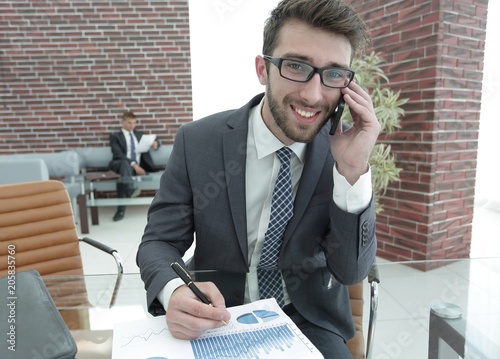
(388, 108)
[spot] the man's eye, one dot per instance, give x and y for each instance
(295, 66)
(333, 74)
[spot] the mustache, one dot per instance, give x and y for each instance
(326, 109)
(323, 107)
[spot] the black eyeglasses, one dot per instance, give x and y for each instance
(298, 71)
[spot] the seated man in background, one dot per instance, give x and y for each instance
(127, 160)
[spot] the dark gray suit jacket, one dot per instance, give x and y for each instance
(118, 145)
(203, 191)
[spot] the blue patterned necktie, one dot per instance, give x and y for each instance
(132, 148)
(268, 274)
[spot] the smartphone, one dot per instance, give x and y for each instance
(337, 115)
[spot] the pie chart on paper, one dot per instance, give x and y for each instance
(257, 316)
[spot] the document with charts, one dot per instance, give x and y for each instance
(257, 330)
(145, 143)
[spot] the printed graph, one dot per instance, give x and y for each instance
(253, 318)
(257, 330)
(247, 344)
(142, 337)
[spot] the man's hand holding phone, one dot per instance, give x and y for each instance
(352, 148)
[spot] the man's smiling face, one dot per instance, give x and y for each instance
(294, 111)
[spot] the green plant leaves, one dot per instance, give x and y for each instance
(388, 109)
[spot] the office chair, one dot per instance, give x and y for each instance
(37, 229)
(37, 224)
(356, 344)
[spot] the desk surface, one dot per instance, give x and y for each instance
(402, 329)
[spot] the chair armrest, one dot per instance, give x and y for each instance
(374, 280)
(373, 274)
(106, 249)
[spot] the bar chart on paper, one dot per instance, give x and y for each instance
(257, 330)
(249, 344)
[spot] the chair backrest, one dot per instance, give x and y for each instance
(37, 229)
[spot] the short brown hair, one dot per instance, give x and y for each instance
(329, 15)
(128, 114)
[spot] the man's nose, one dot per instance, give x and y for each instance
(312, 90)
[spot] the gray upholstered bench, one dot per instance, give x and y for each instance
(94, 160)
(71, 166)
(18, 170)
(26, 167)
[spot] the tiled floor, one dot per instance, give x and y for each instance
(405, 293)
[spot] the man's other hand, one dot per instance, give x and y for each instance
(138, 170)
(188, 317)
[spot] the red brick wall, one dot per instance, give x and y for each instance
(69, 68)
(434, 52)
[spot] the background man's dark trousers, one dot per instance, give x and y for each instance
(125, 187)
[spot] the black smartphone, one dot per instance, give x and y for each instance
(337, 115)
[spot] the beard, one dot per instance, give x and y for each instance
(295, 130)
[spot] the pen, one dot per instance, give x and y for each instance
(186, 278)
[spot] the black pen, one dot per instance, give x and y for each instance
(186, 278)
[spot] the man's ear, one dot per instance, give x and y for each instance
(260, 69)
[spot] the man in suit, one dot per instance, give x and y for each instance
(127, 161)
(219, 182)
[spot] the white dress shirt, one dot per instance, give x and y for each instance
(129, 146)
(261, 146)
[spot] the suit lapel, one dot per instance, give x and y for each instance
(123, 141)
(316, 155)
(234, 152)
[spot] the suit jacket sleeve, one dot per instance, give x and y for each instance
(351, 247)
(169, 231)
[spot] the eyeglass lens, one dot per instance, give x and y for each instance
(302, 72)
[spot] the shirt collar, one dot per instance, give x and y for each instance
(126, 133)
(265, 142)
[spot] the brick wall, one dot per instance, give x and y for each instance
(434, 52)
(69, 68)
